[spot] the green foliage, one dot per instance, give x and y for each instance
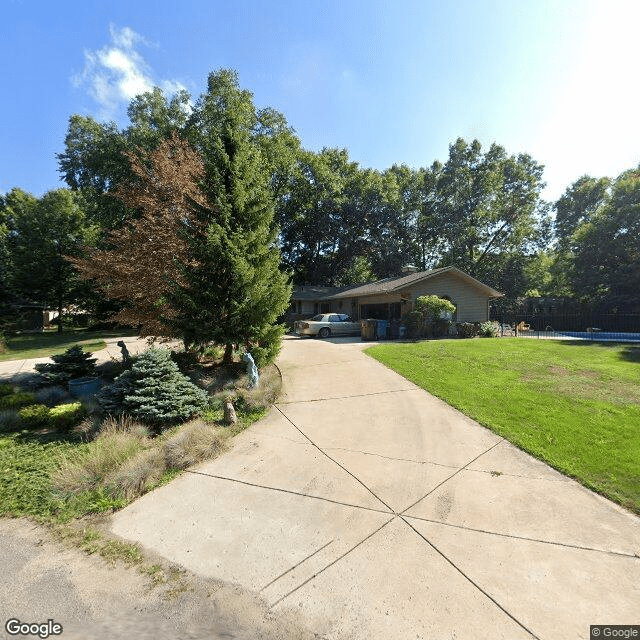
(43, 232)
(489, 329)
(413, 321)
(468, 329)
(35, 416)
(603, 255)
(153, 391)
(73, 363)
(358, 270)
(16, 400)
(6, 389)
(66, 416)
(233, 290)
(434, 308)
(9, 420)
(429, 318)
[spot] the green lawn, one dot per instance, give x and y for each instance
(575, 405)
(49, 343)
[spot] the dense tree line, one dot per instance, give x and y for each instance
(322, 216)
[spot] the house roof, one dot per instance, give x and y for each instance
(311, 292)
(389, 285)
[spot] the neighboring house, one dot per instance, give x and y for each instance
(392, 298)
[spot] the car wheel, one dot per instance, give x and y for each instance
(325, 332)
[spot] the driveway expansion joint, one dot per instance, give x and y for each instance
(378, 498)
(295, 566)
(379, 455)
(476, 585)
(354, 395)
(290, 491)
(452, 475)
(624, 554)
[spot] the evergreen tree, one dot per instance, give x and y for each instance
(231, 289)
(73, 363)
(153, 391)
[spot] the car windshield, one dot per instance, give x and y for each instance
(318, 318)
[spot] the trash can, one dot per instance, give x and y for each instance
(402, 331)
(368, 329)
(382, 329)
(394, 327)
(84, 387)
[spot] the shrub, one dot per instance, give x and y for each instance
(34, 416)
(17, 400)
(6, 389)
(154, 391)
(3, 343)
(489, 329)
(434, 308)
(66, 416)
(51, 396)
(9, 420)
(73, 363)
(468, 329)
(413, 321)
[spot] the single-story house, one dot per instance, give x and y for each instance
(392, 298)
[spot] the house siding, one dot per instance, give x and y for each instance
(472, 306)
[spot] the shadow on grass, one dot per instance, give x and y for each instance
(628, 352)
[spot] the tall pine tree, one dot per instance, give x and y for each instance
(232, 290)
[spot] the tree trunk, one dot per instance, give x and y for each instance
(228, 354)
(59, 314)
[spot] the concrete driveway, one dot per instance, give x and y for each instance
(376, 511)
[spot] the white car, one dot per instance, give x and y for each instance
(325, 325)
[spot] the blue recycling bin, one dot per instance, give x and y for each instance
(382, 329)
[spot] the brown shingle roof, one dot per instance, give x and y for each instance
(387, 285)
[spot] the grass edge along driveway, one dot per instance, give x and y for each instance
(574, 405)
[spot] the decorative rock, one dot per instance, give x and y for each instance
(229, 412)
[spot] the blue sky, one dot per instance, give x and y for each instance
(393, 82)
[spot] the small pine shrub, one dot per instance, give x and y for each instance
(35, 416)
(17, 400)
(73, 363)
(154, 391)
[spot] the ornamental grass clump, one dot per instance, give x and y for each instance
(154, 391)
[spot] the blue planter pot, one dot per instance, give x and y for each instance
(84, 387)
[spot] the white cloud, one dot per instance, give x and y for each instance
(117, 73)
